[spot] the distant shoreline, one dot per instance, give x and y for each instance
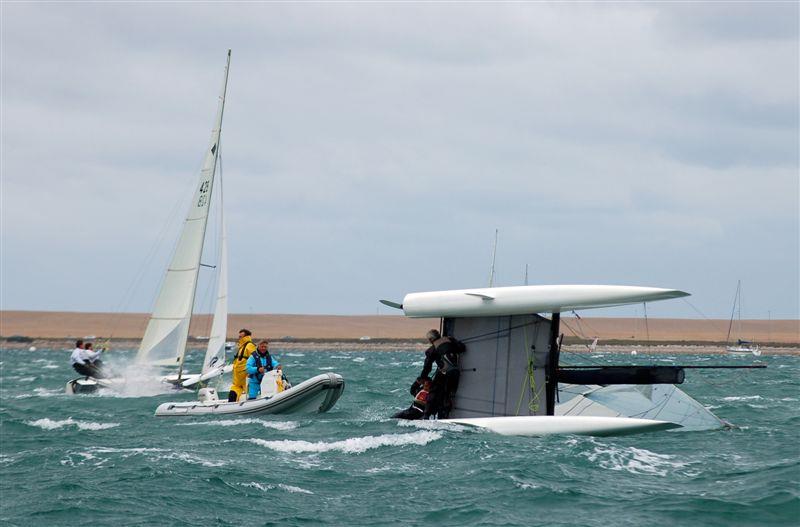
(375, 331)
(386, 345)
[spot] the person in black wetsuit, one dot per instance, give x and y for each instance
(420, 390)
(444, 352)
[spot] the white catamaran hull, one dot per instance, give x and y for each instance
(316, 395)
(85, 385)
(544, 425)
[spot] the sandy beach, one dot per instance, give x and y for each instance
(130, 326)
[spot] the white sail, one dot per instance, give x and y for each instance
(164, 341)
(215, 353)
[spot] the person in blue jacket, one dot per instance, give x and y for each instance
(258, 364)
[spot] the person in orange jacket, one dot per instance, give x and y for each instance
(246, 348)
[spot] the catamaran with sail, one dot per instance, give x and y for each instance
(164, 341)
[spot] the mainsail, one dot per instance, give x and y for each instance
(164, 341)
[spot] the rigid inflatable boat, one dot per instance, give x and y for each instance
(315, 395)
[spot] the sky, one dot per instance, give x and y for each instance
(371, 150)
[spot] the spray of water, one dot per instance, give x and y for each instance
(131, 379)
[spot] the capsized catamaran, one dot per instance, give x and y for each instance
(511, 381)
(164, 341)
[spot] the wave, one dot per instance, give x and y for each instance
(49, 424)
(427, 424)
(41, 392)
(266, 488)
(275, 425)
(99, 456)
(634, 460)
(354, 445)
(742, 398)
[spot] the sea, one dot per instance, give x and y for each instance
(104, 459)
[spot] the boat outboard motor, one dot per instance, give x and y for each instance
(207, 395)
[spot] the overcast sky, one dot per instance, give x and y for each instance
(370, 150)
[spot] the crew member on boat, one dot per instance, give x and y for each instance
(444, 352)
(258, 364)
(86, 361)
(420, 390)
(245, 350)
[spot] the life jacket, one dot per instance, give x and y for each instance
(267, 365)
(420, 400)
(240, 355)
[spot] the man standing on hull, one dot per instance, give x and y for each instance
(246, 348)
(444, 352)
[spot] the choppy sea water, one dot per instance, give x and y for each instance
(105, 459)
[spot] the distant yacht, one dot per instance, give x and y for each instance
(742, 347)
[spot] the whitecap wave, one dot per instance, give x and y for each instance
(41, 392)
(100, 455)
(354, 445)
(742, 398)
(275, 425)
(265, 488)
(49, 424)
(295, 354)
(359, 359)
(634, 460)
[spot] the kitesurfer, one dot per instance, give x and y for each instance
(85, 360)
(420, 390)
(444, 352)
(258, 364)
(245, 350)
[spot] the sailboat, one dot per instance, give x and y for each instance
(164, 341)
(742, 347)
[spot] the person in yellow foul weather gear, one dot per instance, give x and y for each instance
(246, 348)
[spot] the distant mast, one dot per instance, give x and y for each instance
(494, 255)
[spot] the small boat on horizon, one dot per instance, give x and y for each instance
(742, 346)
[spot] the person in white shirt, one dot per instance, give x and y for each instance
(86, 361)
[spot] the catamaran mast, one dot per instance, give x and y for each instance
(164, 341)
